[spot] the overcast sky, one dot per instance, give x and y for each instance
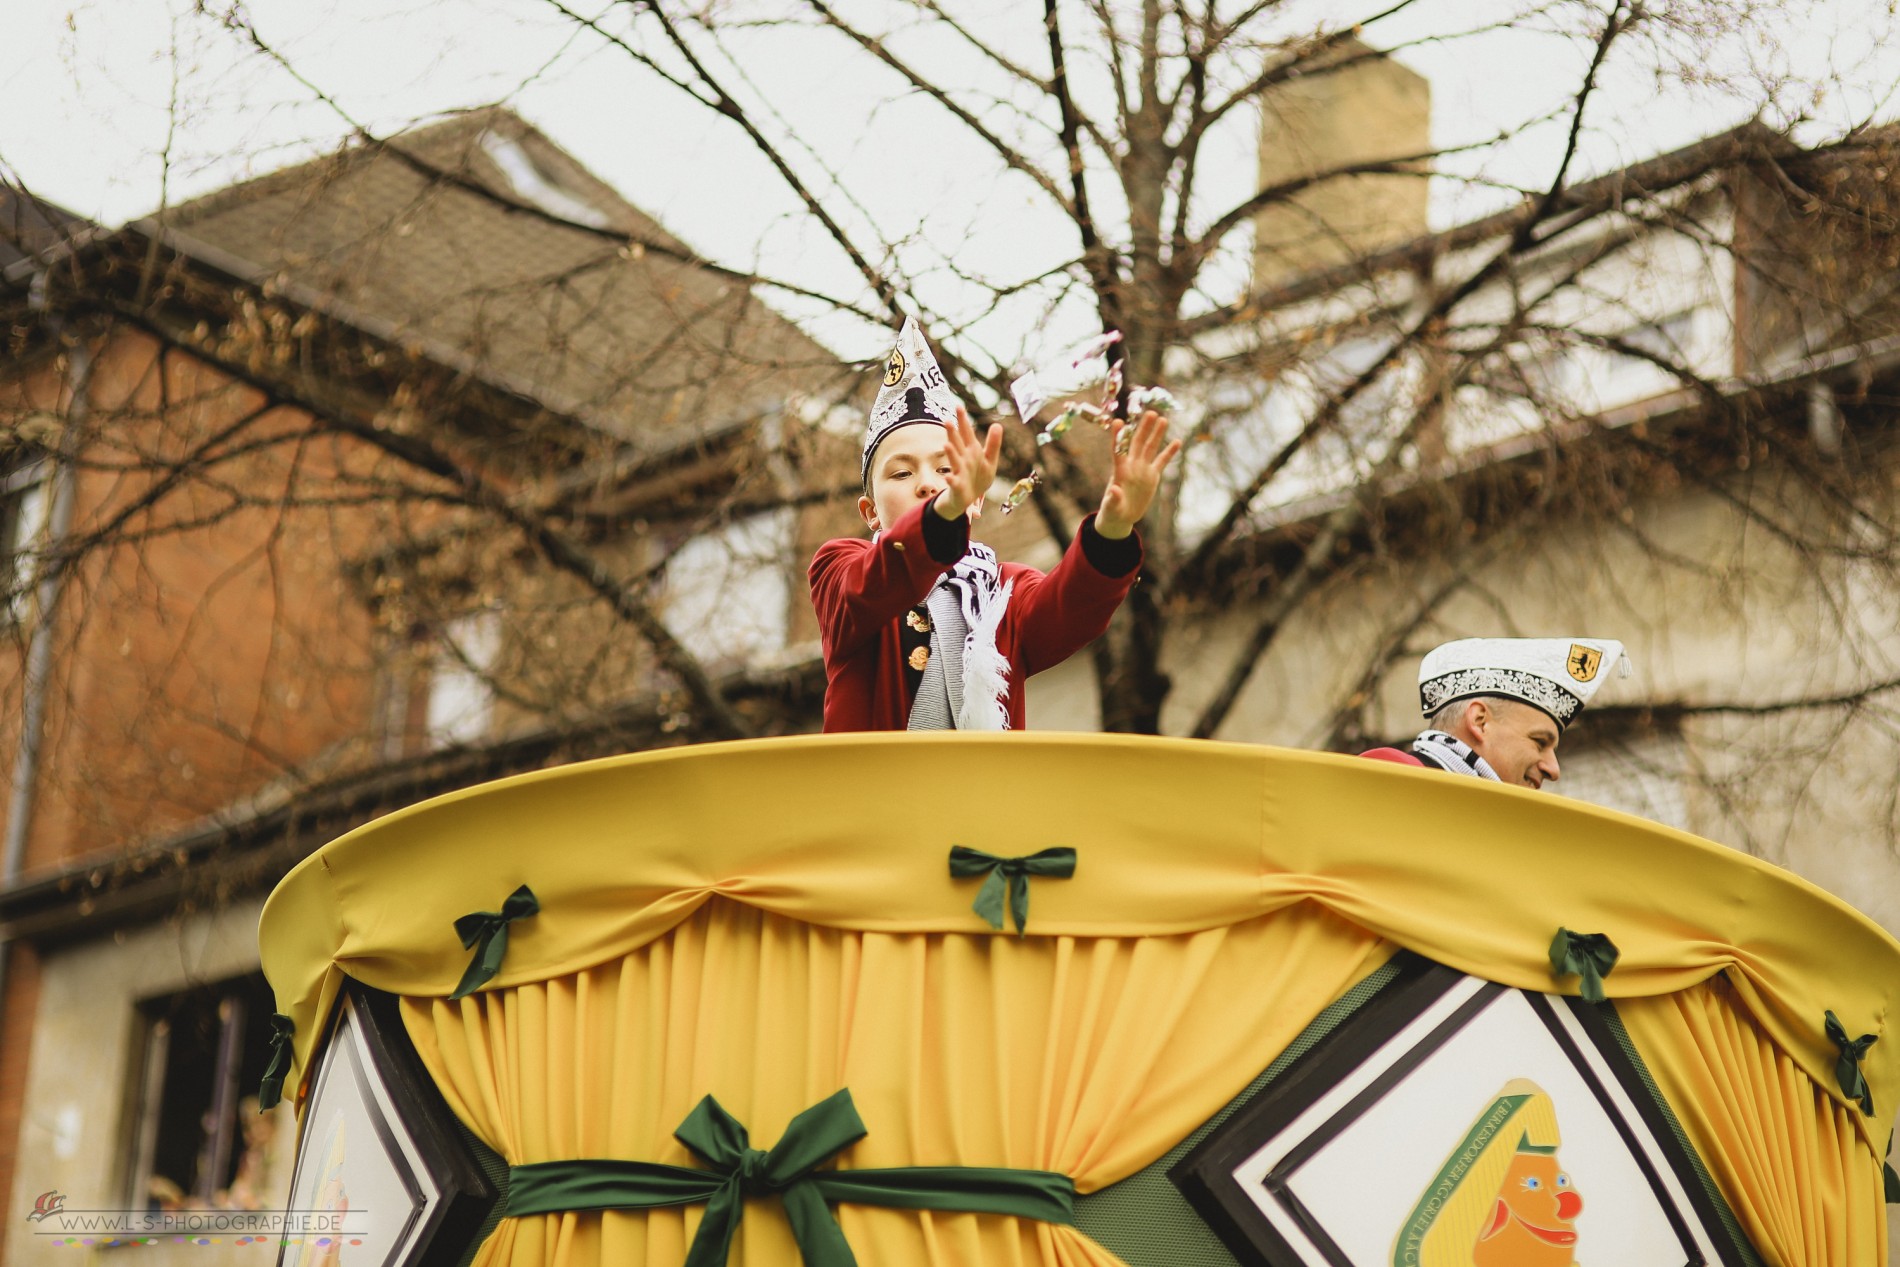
(111, 106)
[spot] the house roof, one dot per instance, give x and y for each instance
(481, 236)
(30, 224)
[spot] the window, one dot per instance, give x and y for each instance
(25, 503)
(1624, 378)
(461, 703)
(1666, 337)
(1245, 425)
(728, 591)
(1371, 415)
(197, 1139)
(534, 185)
(1248, 424)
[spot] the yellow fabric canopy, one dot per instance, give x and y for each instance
(1173, 836)
(767, 922)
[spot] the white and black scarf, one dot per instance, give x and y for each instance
(1453, 755)
(966, 680)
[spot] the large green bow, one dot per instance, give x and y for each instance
(487, 932)
(271, 1089)
(828, 1127)
(737, 1171)
(1847, 1067)
(1585, 956)
(1012, 873)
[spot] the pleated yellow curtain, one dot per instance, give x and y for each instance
(1792, 1160)
(734, 921)
(1087, 1056)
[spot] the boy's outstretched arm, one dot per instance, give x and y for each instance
(1058, 614)
(1137, 476)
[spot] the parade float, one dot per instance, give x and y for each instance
(1064, 999)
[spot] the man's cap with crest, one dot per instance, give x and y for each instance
(913, 390)
(1557, 675)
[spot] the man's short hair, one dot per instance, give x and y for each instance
(1449, 713)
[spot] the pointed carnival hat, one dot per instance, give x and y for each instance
(914, 390)
(1558, 675)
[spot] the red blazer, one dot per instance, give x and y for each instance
(862, 590)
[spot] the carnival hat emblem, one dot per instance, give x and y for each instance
(1557, 675)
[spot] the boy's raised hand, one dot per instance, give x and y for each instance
(972, 464)
(1131, 489)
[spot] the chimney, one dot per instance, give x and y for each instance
(1351, 105)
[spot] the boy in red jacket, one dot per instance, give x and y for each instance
(922, 628)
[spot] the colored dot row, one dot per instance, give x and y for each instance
(205, 1240)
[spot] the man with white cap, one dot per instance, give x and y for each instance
(1497, 707)
(924, 629)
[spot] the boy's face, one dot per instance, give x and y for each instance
(908, 468)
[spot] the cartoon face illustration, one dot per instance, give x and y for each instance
(1532, 1222)
(1502, 1198)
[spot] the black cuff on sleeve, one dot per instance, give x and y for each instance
(947, 540)
(1110, 558)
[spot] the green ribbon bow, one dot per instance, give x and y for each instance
(487, 932)
(1010, 873)
(271, 1089)
(830, 1126)
(737, 1171)
(1585, 956)
(1847, 1067)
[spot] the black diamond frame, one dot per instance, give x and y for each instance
(466, 1194)
(1205, 1176)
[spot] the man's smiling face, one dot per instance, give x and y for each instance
(1518, 740)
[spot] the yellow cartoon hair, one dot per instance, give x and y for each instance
(1444, 1225)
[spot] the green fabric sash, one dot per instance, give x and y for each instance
(1847, 1065)
(1013, 872)
(487, 933)
(271, 1089)
(1586, 956)
(737, 1171)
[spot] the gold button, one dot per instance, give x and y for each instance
(919, 657)
(897, 545)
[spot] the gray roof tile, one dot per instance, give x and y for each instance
(646, 346)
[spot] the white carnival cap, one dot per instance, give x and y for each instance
(914, 390)
(1557, 675)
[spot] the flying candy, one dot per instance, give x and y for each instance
(1158, 399)
(1032, 390)
(1021, 491)
(1060, 424)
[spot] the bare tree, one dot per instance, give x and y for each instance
(1368, 395)
(1314, 281)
